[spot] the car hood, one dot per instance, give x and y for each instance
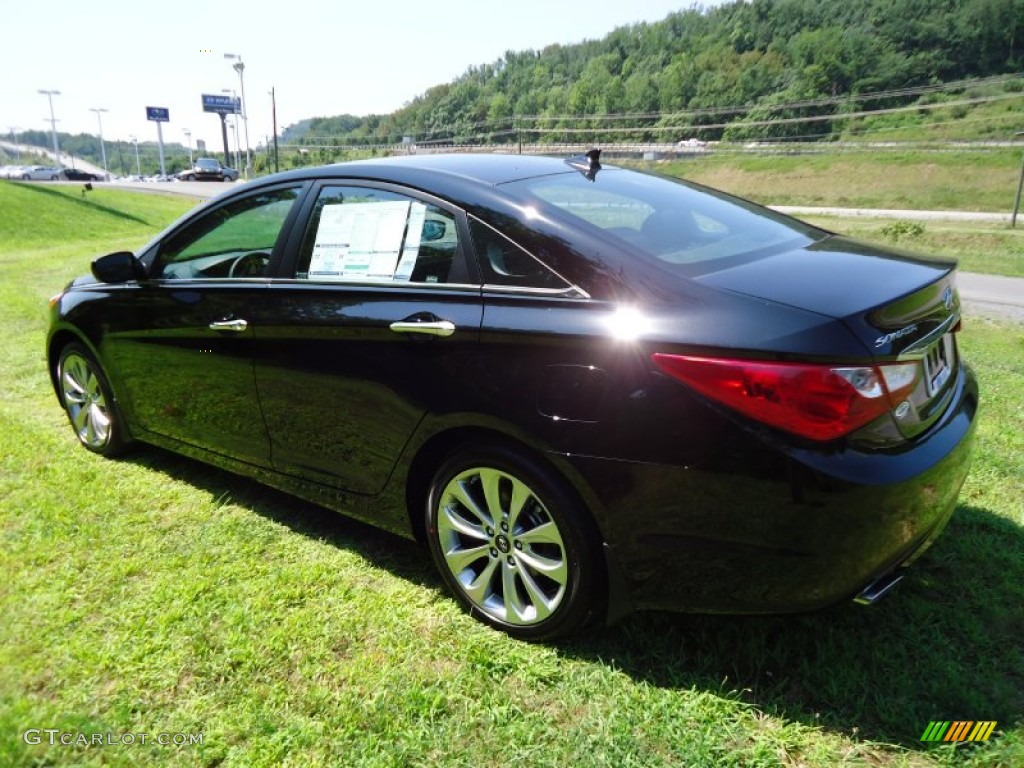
(890, 299)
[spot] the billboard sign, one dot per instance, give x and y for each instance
(222, 105)
(158, 114)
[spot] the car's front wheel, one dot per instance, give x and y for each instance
(513, 543)
(89, 402)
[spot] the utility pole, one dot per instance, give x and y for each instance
(1020, 184)
(273, 109)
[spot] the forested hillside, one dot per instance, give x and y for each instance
(764, 70)
(742, 70)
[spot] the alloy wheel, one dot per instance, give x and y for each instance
(502, 546)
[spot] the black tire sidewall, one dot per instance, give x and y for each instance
(577, 531)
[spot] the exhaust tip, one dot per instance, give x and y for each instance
(877, 589)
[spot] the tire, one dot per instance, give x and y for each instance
(512, 543)
(89, 402)
(26, 177)
(190, 177)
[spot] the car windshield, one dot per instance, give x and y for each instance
(698, 229)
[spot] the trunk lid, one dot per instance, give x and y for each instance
(900, 306)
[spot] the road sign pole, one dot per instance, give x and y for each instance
(224, 135)
(160, 142)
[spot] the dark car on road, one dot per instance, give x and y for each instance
(73, 174)
(587, 389)
(208, 169)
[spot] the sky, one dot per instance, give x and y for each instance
(322, 57)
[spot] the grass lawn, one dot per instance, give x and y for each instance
(977, 246)
(156, 595)
(916, 180)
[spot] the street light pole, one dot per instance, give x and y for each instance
(103, 149)
(233, 128)
(53, 123)
(239, 67)
(138, 165)
(14, 140)
(234, 123)
(188, 139)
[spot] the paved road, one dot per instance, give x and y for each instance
(881, 213)
(992, 296)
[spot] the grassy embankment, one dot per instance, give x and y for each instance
(155, 595)
(915, 180)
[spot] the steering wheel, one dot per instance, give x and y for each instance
(249, 264)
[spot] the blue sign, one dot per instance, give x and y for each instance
(158, 114)
(222, 105)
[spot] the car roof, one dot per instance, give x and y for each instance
(490, 169)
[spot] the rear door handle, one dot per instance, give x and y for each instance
(430, 328)
(234, 326)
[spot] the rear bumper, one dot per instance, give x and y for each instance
(767, 530)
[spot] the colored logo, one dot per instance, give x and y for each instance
(958, 730)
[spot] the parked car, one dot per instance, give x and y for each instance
(208, 169)
(10, 172)
(73, 174)
(589, 390)
(39, 173)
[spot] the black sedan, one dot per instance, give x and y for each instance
(588, 390)
(73, 174)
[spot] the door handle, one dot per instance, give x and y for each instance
(235, 326)
(431, 328)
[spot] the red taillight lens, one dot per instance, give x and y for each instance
(819, 402)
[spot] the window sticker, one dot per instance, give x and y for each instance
(360, 241)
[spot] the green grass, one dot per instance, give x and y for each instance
(156, 594)
(977, 246)
(915, 180)
(40, 215)
(986, 121)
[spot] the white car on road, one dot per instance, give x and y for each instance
(37, 173)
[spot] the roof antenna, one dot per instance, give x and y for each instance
(594, 159)
(588, 164)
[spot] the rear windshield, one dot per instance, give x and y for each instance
(678, 223)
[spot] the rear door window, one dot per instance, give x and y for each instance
(371, 235)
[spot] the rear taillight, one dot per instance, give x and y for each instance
(819, 402)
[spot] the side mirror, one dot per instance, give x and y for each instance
(433, 230)
(118, 267)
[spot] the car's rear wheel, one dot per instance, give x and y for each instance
(513, 543)
(89, 402)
